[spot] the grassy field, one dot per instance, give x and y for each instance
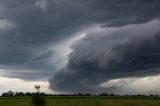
(84, 101)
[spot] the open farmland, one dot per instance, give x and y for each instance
(84, 101)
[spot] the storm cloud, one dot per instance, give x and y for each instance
(115, 53)
(115, 37)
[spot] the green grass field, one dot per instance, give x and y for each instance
(84, 101)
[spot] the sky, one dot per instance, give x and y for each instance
(80, 46)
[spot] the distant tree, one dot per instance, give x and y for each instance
(28, 94)
(37, 99)
(103, 94)
(43, 94)
(112, 94)
(87, 94)
(151, 95)
(19, 94)
(79, 94)
(9, 93)
(4, 94)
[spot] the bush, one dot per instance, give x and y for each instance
(37, 98)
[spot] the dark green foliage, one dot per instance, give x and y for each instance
(38, 100)
(19, 94)
(103, 94)
(9, 93)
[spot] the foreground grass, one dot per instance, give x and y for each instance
(84, 101)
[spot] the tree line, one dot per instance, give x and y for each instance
(11, 93)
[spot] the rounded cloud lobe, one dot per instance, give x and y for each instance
(110, 54)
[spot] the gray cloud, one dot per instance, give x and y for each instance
(110, 54)
(41, 4)
(118, 12)
(29, 29)
(27, 44)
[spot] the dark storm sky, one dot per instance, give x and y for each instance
(79, 44)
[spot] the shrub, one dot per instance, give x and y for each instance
(37, 98)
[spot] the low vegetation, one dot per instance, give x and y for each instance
(38, 98)
(84, 101)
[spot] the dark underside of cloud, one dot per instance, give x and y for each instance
(101, 57)
(29, 29)
(97, 59)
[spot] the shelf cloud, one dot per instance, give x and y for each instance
(110, 54)
(79, 44)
